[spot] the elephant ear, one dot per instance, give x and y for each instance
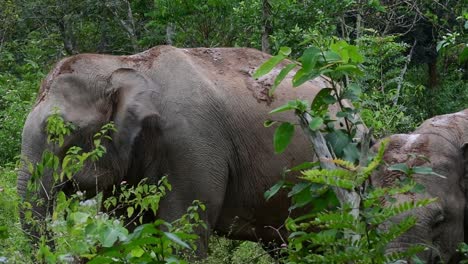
(134, 96)
(465, 186)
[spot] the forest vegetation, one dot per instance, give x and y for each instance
(414, 66)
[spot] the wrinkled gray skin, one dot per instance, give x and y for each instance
(440, 226)
(194, 114)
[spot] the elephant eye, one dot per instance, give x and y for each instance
(438, 219)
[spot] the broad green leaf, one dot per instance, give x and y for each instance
(286, 107)
(426, 170)
(302, 198)
(110, 234)
(400, 167)
(338, 140)
(316, 123)
(353, 92)
(101, 260)
(305, 165)
(273, 190)
(268, 65)
(283, 73)
(309, 58)
(137, 252)
(176, 239)
(299, 105)
(351, 152)
(299, 187)
(330, 57)
(354, 54)
(303, 76)
(285, 51)
(322, 100)
(348, 69)
(283, 136)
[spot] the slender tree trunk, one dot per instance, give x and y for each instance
(432, 68)
(403, 72)
(267, 29)
(67, 36)
(169, 33)
(128, 24)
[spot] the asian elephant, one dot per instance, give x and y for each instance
(195, 115)
(440, 226)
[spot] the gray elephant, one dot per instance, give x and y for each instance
(194, 114)
(441, 225)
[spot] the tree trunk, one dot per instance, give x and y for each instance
(267, 29)
(128, 24)
(169, 33)
(432, 68)
(67, 36)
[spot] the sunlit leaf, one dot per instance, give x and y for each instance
(283, 73)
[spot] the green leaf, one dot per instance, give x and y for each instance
(273, 190)
(305, 165)
(330, 57)
(283, 73)
(110, 234)
(338, 140)
(348, 69)
(285, 51)
(176, 239)
(137, 252)
(269, 123)
(299, 187)
(309, 58)
(291, 105)
(268, 65)
(400, 167)
(283, 136)
(316, 123)
(100, 260)
(322, 100)
(304, 75)
(354, 54)
(426, 170)
(302, 198)
(351, 152)
(3, 232)
(130, 211)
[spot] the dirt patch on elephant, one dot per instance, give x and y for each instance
(145, 58)
(411, 149)
(240, 63)
(261, 87)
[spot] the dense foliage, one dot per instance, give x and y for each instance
(414, 66)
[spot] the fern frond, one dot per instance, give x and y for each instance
(335, 220)
(336, 177)
(411, 251)
(394, 231)
(374, 164)
(345, 164)
(394, 210)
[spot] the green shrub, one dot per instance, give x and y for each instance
(79, 226)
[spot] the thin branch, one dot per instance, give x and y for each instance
(402, 73)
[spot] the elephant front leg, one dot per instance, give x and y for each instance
(195, 183)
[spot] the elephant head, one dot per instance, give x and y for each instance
(440, 225)
(88, 100)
